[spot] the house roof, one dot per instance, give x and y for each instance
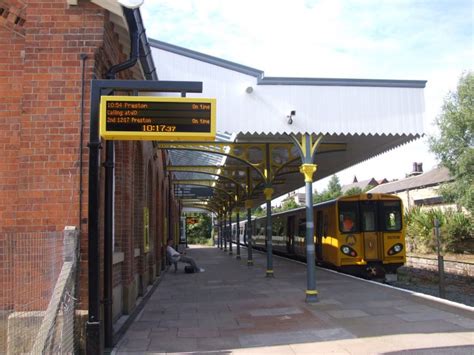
(360, 184)
(431, 178)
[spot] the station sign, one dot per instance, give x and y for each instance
(157, 118)
(193, 192)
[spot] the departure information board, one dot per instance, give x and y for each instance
(157, 118)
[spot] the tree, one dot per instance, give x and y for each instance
(334, 187)
(199, 232)
(333, 190)
(454, 146)
(260, 211)
(354, 191)
(287, 204)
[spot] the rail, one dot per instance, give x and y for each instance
(451, 267)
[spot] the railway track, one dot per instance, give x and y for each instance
(420, 274)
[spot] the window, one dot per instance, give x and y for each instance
(391, 215)
(348, 217)
(302, 228)
(368, 211)
(278, 226)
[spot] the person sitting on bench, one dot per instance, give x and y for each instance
(176, 256)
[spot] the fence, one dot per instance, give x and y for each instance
(37, 292)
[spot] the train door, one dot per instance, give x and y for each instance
(291, 235)
(319, 235)
(371, 236)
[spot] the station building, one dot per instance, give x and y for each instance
(50, 51)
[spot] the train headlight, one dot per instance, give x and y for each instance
(347, 250)
(395, 249)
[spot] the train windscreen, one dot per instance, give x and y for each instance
(369, 216)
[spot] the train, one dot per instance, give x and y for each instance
(363, 234)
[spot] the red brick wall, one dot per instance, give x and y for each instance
(11, 71)
(55, 36)
(41, 43)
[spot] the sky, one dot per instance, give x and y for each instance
(367, 39)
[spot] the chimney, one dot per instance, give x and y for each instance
(420, 168)
(417, 169)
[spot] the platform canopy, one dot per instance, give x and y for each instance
(351, 120)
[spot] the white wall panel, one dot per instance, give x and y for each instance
(319, 109)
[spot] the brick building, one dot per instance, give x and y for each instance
(50, 51)
(419, 188)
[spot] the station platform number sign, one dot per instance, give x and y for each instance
(157, 118)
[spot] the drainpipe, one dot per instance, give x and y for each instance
(109, 187)
(83, 57)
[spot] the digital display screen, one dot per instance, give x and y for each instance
(157, 118)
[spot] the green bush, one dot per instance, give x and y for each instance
(456, 230)
(200, 232)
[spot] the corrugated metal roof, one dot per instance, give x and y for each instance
(247, 102)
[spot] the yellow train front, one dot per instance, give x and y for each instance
(361, 234)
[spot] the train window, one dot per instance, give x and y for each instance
(391, 215)
(368, 213)
(278, 226)
(302, 228)
(326, 225)
(260, 227)
(348, 217)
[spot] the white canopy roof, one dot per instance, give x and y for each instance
(248, 102)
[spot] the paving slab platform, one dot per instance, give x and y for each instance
(232, 308)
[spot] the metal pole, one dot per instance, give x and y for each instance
(108, 243)
(221, 236)
(268, 196)
(248, 204)
(230, 232)
(218, 232)
(442, 293)
(94, 340)
(237, 240)
(311, 293)
(308, 169)
(268, 192)
(224, 221)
